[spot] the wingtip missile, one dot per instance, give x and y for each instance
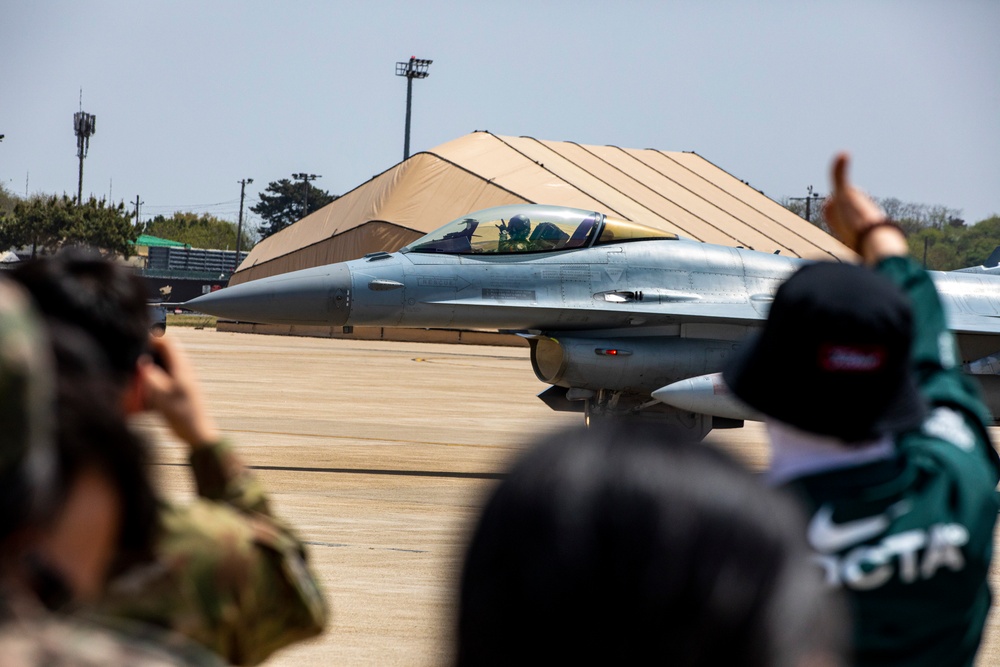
(706, 394)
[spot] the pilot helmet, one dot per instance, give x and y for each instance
(519, 226)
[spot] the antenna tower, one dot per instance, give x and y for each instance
(84, 125)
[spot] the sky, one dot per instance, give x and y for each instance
(191, 97)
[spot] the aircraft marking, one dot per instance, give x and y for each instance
(514, 294)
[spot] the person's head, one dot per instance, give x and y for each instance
(74, 488)
(106, 506)
(518, 227)
(833, 357)
(615, 547)
(106, 300)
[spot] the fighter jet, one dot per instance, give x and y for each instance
(623, 320)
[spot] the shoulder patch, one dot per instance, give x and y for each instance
(948, 425)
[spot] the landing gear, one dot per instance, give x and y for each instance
(602, 409)
(593, 415)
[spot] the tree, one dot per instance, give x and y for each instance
(205, 231)
(955, 246)
(37, 223)
(7, 201)
(912, 217)
(47, 223)
(908, 215)
(286, 204)
(105, 227)
(937, 235)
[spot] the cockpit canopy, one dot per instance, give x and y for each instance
(524, 228)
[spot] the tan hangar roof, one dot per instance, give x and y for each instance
(676, 191)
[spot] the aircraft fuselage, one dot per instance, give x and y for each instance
(613, 311)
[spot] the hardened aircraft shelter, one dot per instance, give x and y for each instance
(680, 192)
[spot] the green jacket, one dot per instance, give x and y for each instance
(227, 573)
(910, 538)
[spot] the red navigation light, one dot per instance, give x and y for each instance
(611, 352)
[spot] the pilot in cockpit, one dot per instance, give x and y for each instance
(514, 235)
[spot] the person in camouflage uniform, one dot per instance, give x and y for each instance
(41, 471)
(27, 404)
(32, 638)
(883, 438)
(225, 571)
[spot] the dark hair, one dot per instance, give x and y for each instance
(616, 547)
(22, 503)
(106, 300)
(91, 434)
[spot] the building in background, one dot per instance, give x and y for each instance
(175, 272)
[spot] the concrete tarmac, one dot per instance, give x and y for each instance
(381, 454)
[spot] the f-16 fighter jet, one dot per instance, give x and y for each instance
(623, 320)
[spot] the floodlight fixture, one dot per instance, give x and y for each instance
(414, 68)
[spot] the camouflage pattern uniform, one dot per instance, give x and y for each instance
(26, 391)
(30, 636)
(227, 574)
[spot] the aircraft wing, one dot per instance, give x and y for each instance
(963, 323)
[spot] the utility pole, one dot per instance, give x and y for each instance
(305, 178)
(239, 225)
(137, 203)
(812, 196)
(84, 125)
(414, 68)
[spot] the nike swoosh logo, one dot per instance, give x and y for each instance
(825, 536)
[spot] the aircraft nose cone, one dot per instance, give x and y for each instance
(320, 295)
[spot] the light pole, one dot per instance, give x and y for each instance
(414, 68)
(239, 225)
(305, 178)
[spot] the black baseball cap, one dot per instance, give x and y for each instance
(834, 356)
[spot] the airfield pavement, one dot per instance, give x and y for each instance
(380, 454)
